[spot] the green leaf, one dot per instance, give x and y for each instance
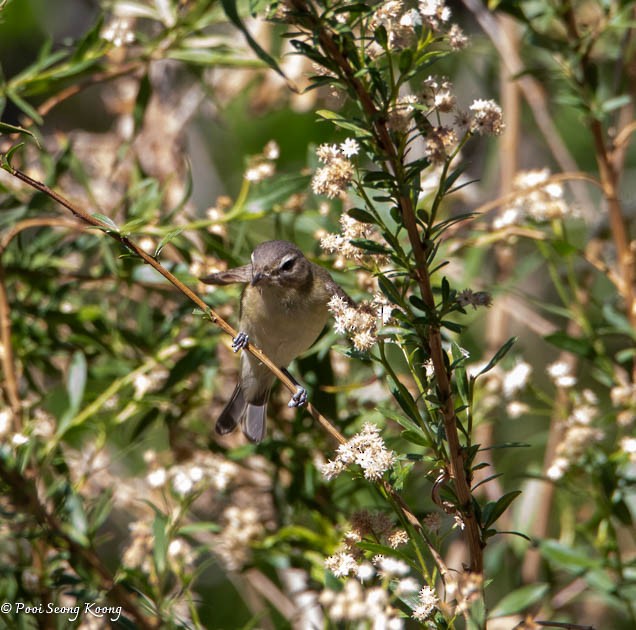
(380, 36)
(160, 547)
(416, 437)
(344, 123)
(30, 111)
(170, 236)
(109, 224)
(76, 381)
(6, 157)
(11, 129)
(199, 528)
(388, 288)
(77, 527)
(493, 510)
(211, 57)
(520, 599)
(500, 354)
(231, 10)
(406, 60)
(564, 249)
(614, 103)
(572, 559)
(370, 246)
(363, 216)
(577, 345)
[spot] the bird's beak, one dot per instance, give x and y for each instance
(256, 278)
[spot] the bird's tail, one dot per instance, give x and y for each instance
(251, 416)
(231, 415)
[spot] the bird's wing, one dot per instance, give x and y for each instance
(239, 274)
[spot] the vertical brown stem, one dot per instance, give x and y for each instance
(385, 144)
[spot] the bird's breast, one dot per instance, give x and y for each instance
(282, 322)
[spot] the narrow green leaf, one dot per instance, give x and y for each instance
(363, 216)
(493, 510)
(76, 381)
(26, 107)
(231, 10)
(498, 356)
(389, 289)
(109, 224)
(370, 246)
(520, 599)
(416, 437)
(170, 236)
(6, 157)
(160, 547)
(10, 129)
(577, 345)
(572, 559)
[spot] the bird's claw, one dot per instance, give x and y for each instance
(299, 398)
(240, 342)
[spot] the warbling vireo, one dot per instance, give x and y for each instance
(283, 310)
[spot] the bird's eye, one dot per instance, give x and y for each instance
(288, 264)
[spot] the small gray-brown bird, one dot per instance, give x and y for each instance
(283, 310)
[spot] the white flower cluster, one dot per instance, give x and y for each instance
(401, 20)
(119, 31)
(578, 434)
(542, 204)
(243, 526)
(367, 450)
(487, 118)
(355, 603)
(205, 470)
(623, 397)
(360, 321)
(333, 178)
(262, 166)
(340, 244)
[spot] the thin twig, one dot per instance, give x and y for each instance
(98, 77)
(219, 321)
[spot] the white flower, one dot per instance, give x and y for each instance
(349, 147)
(5, 421)
(557, 468)
(391, 567)
(487, 118)
(406, 585)
(341, 564)
(157, 478)
(516, 409)
(628, 446)
(182, 483)
(19, 439)
(426, 604)
(365, 571)
(559, 372)
(516, 379)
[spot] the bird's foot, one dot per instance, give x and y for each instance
(299, 398)
(240, 341)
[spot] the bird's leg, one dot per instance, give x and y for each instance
(300, 397)
(240, 342)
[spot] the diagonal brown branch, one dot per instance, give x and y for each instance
(90, 220)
